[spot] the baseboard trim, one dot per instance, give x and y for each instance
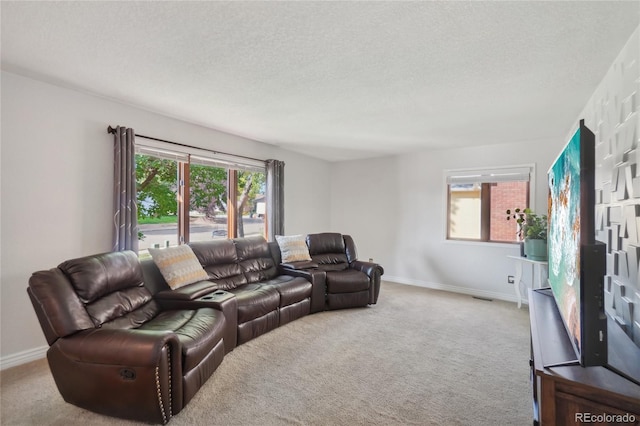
(454, 289)
(23, 357)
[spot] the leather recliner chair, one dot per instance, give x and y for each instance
(113, 349)
(349, 282)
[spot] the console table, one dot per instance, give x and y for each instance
(537, 268)
(567, 394)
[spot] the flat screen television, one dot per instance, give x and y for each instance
(577, 262)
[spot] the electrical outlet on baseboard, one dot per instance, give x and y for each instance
(371, 259)
(510, 279)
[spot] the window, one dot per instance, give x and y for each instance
(208, 197)
(156, 186)
(251, 203)
(477, 201)
(193, 196)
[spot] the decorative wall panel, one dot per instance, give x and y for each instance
(613, 114)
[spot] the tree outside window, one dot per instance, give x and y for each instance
(161, 201)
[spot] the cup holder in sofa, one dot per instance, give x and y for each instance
(215, 295)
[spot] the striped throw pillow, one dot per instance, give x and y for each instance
(293, 248)
(178, 265)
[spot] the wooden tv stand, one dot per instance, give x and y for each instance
(571, 394)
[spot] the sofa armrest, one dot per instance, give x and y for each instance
(188, 292)
(318, 280)
(127, 347)
(368, 268)
(133, 374)
(374, 272)
(303, 264)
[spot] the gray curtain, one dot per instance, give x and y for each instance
(275, 198)
(125, 211)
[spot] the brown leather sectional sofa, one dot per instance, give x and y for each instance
(122, 343)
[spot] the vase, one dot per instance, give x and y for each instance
(535, 249)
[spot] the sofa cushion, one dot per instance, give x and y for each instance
(348, 281)
(125, 308)
(255, 300)
(178, 265)
(198, 331)
(328, 249)
(95, 276)
(326, 242)
(293, 248)
(110, 286)
(216, 252)
(219, 259)
(226, 276)
(291, 289)
(252, 247)
(255, 259)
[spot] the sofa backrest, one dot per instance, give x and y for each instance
(58, 307)
(350, 249)
(328, 250)
(231, 263)
(153, 279)
(104, 290)
(255, 258)
(220, 259)
(274, 248)
(111, 288)
(228, 263)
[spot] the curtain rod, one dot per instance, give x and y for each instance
(112, 130)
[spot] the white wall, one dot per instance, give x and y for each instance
(395, 208)
(613, 114)
(57, 174)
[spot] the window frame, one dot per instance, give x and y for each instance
(485, 205)
(183, 158)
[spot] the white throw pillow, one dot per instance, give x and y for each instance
(178, 265)
(293, 248)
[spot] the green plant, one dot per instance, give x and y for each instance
(530, 224)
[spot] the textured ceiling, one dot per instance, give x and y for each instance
(336, 80)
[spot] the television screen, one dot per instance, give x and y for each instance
(576, 261)
(564, 235)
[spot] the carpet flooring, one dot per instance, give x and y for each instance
(418, 357)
